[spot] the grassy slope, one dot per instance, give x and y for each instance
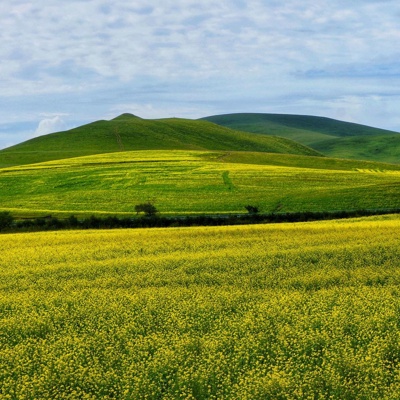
(328, 136)
(299, 161)
(185, 182)
(128, 132)
(377, 148)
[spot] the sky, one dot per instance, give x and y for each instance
(67, 63)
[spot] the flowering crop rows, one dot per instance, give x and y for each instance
(290, 311)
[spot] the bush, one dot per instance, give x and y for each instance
(147, 208)
(252, 209)
(6, 220)
(72, 221)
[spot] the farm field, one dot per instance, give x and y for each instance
(195, 182)
(290, 311)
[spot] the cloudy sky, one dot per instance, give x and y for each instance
(66, 63)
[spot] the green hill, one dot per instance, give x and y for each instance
(331, 137)
(193, 182)
(128, 132)
(377, 148)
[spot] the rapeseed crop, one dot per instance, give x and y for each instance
(290, 311)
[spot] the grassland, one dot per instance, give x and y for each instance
(330, 137)
(128, 132)
(261, 123)
(378, 148)
(193, 182)
(295, 311)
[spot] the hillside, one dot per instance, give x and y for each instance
(128, 132)
(331, 137)
(378, 148)
(182, 182)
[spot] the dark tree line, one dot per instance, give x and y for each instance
(9, 224)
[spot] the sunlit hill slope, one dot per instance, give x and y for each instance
(128, 132)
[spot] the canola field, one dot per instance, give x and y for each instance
(289, 311)
(190, 182)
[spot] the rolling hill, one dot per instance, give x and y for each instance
(379, 148)
(128, 132)
(331, 137)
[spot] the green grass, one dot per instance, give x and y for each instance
(128, 132)
(299, 161)
(193, 182)
(378, 148)
(328, 136)
(320, 125)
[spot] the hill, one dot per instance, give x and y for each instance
(129, 132)
(378, 148)
(182, 182)
(331, 137)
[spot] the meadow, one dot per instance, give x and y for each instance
(289, 311)
(197, 182)
(379, 148)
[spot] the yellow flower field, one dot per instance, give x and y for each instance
(289, 311)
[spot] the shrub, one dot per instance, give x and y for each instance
(72, 221)
(6, 220)
(252, 209)
(147, 208)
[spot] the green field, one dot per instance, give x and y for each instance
(128, 132)
(193, 182)
(290, 311)
(330, 137)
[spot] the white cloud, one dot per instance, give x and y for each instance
(87, 57)
(183, 38)
(50, 125)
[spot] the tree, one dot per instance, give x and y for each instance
(6, 220)
(72, 221)
(252, 209)
(147, 208)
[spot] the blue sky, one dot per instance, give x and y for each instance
(66, 63)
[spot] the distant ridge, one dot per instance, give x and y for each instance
(255, 122)
(329, 136)
(129, 132)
